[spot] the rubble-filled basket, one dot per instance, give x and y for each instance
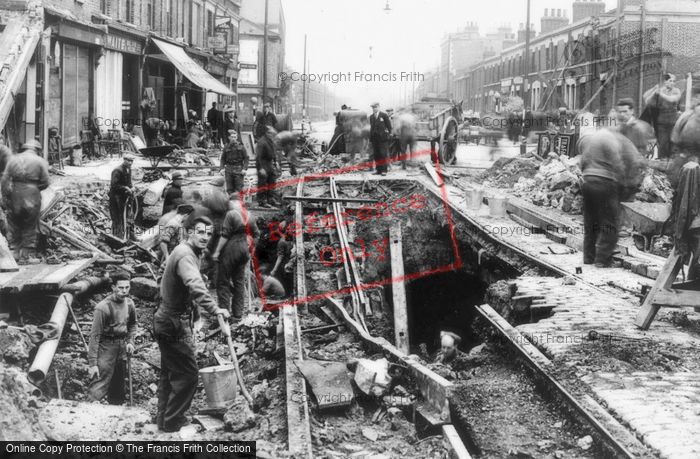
(220, 385)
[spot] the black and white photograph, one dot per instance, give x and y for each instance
(367, 229)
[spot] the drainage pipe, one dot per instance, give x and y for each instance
(44, 355)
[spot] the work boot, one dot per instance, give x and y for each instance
(177, 426)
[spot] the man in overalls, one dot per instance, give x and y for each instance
(111, 340)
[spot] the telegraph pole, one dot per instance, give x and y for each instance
(264, 76)
(303, 86)
(526, 60)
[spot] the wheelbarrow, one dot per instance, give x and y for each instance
(647, 221)
(160, 152)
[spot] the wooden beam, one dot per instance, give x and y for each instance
(676, 298)
(327, 199)
(665, 280)
(433, 174)
(398, 288)
(453, 443)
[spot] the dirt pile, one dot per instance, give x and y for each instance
(556, 182)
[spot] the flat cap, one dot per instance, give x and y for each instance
(374, 104)
(177, 175)
(129, 157)
(31, 144)
(626, 101)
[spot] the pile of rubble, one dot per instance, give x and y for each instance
(556, 182)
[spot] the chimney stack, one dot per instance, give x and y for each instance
(583, 9)
(553, 21)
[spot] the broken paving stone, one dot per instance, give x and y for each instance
(144, 288)
(558, 425)
(239, 417)
(153, 387)
(372, 376)
(544, 444)
(15, 345)
(585, 443)
(209, 423)
(370, 433)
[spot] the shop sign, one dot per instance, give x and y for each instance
(245, 65)
(217, 42)
(86, 36)
(123, 44)
(216, 68)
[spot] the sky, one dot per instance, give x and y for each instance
(349, 36)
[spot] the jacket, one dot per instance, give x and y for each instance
(182, 288)
(379, 127)
(265, 155)
(121, 181)
(611, 155)
(262, 120)
(686, 206)
(234, 158)
(638, 132)
(29, 169)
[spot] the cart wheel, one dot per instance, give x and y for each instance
(448, 142)
(174, 159)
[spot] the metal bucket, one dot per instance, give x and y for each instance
(475, 198)
(497, 206)
(220, 385)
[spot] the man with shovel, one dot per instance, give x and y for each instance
(111, 342)
(182, 291)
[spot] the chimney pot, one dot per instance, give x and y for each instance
(545, 12)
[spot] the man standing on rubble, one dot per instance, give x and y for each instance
(25, 175)
(639, 132)
(233, 256)
(380, 130)
(120, 190)
(234, 163)
(612, 169)
(267, 166)
(111, 340)
(183, 292)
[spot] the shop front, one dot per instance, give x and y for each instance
(75, 48)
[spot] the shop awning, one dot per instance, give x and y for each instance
(193, 71)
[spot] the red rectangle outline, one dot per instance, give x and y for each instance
(457, 264)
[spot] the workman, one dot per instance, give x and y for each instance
(234, 163)
(231, 123)
(25, 175)
(233, 256)
(172, 233)
(111, 341)
(612, 169)
(263, 120)
(267, 167)
(379, 136)
(182, 292)
(173, 193)
(284, 253)
(214, 118)
(639, 132)
(120, 190)
(666, 103)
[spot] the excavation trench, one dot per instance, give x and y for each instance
(497, 406)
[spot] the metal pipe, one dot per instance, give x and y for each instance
(327, 199)
(44, 355)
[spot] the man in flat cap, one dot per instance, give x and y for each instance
(263, 120)
(25, 175)
(173, 193)
(379, 134)
(120, 190)
(638, 131)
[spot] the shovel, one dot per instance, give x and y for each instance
(131, 387)
(226, 330)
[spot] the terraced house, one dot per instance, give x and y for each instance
(597, 58)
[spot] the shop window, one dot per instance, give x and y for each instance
(104, 7)
(76, 85)
(130, 11)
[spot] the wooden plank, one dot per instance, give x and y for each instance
(453, 443)
(42, 276)
(434, 174)
(298, 426)
(671, 298)
(329, 381)
(398, 288)
(665, 280)
(7, 260)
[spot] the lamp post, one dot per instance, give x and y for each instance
(264, 73)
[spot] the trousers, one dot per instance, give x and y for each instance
(601, 204)
(116, 213)
(111, 361)
(178, 368)
(663, 139)
(266, 184)
(23, 211)
(234, 182)
(380, 153)
(230, 278)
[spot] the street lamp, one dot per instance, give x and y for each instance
(387, 8)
